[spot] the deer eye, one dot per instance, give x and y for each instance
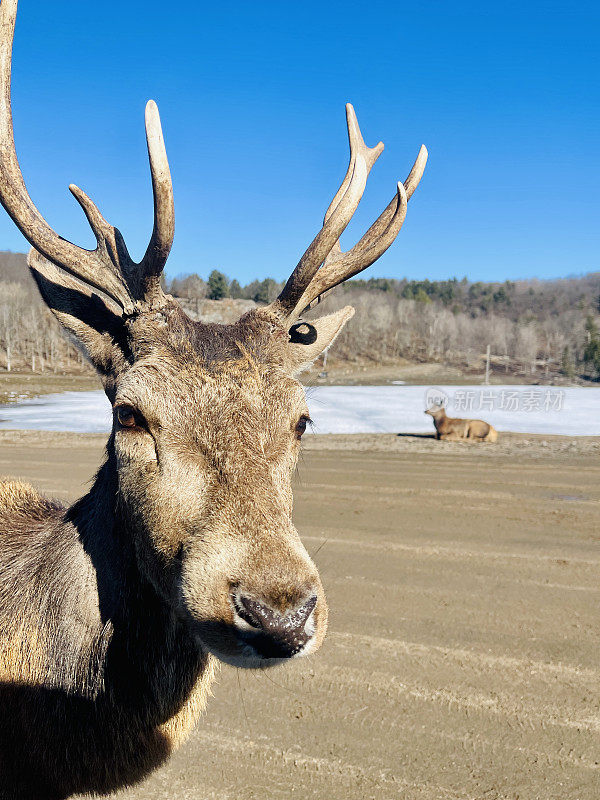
(301, 426)
(127, 417)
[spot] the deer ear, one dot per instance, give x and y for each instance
(309, 339)
(98, 329)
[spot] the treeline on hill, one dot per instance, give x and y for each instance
(530, 326)
(218, 287)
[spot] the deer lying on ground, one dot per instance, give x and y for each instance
(455, 428)
(113, 611)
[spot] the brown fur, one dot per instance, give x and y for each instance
(111, 611)
(456, 428)
(20, 498)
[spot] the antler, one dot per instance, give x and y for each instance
(108, 268)
(324, 265)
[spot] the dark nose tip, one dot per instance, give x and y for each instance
(272, 633)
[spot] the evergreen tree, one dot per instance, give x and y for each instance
(591, 354)
(421, 296)
(218, 285)
(235, 290)
(267, 291)
(567, 367)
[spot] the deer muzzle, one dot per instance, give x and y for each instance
(274, 633)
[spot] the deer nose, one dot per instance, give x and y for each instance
(272, 633)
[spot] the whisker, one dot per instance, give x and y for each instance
(319, 548)
(294, 693)
(243, 704)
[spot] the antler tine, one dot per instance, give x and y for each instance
(386, 223)
(416, 173)
(357, 144)
(345, 265)
(161, 242)
(15, 198)
(108, 268)
(340, 266)
(8, 14)
(337, 216)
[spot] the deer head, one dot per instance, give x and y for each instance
(207, 418)
(437, 412)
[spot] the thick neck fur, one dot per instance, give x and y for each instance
(148, 643)
(97, 647)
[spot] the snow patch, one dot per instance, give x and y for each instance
(570, 411)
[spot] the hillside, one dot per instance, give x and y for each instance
(540, 330)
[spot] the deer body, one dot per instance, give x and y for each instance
(113, 611)
(99, 678)
(455, 428)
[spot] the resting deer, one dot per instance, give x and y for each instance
(113, 611)
(453, 429)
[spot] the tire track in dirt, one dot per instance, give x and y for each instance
(390, 587)
(563, 586)
(585, 484)
(440, 550)
(340, 772)
(470, 746)
(518, 666)
(500, 704)
(438, 491)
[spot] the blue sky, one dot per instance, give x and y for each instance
(504, 95)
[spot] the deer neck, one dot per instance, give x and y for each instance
(151, 661)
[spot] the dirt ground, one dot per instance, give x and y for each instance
(462, 657)
(15, 386)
